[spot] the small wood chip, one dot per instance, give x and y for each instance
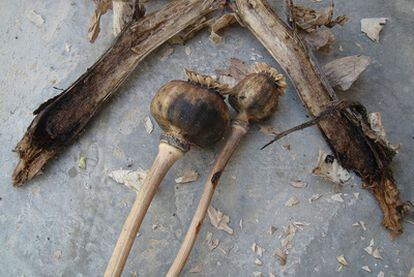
(373, 26)
(374, 252)
(329, 168)
(188, 177)
(82, 162)
(196, 269)
(57, 254)
(298, 184)
(366, 268)
(149, 127)
(315, 197)
(356, 195)
(219, 220)
(258, 262)
(258, 249)
(268, 130)
(272, 229)
(187, 51)
(132, 179)
(341, 259)
(292, 201)
(337, 197)
(281, 256)
(381, 274)
(211, 242)
(360, 224)
(35, 18)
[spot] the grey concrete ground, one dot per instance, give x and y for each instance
(66, 221)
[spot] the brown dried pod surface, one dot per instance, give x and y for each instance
(191, 112)
(255, 98)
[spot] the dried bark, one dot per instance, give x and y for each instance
(60, 119)
(347, 131)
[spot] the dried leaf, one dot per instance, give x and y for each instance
(329, 168)
(292, 201)
(219, 220)
(310, 20)
(258, 249)
(82, 162)
(149, 127)
(222, 22)
(196, 269)
(366, 268)
(211, 242)
(298, 184)
(345, 71)
(281, 255)
(132, 179)
(35, 18)
(237, 70)
(337, 197)
(315, 197)
(319, 39)
(372, 27)
(101, 8)
(341, 259)
(187, 177)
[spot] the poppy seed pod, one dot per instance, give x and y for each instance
(256, 97)
(191, 111)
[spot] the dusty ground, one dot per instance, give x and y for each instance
(66, 222)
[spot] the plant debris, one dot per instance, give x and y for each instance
(102, 6)
(211, 242)
(314, 197)
(188, 177)
(82, 162)
(219, 220)
(375, 123)
(319, 40)
(329, 168)
(167, 52)
(187, 51)
(57, 254)
(381, 274)
(366, 268)
(268, 130)
(337, 197)
(197, 269)
(360, 224)
(345, 71)
(373, 26)
(292, 201)
(272, 229)
(281, 256)
(371, 250)
(222, 22)
(149, 127)
(342, 262)
(35, 18)
(298, 184)
(258, 262)
(132, 179)
(258, 249)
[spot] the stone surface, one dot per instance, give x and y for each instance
(79, 213)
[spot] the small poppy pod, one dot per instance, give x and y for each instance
(191, 111)
(256, 97)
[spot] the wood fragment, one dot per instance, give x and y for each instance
(211, 242)
(188, 177)
(219, 220)
(314, 197)
(102, 7)
(345, 131)
(281, 256)
(132, 179)
(373, 26)
(366, 268)
(345, 71)
(149, 127)
(298, 184)
(329, 168)
(124, 12)
(61, 119)
(292, 201)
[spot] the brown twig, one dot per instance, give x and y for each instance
(347, 132)
(60, 120)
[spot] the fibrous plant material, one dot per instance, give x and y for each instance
(329, 168)
(348, 131)
(343, 72)
(60, 120)
(255, 98)
(191, 112)
(125, 11)
(102, 6)
(219, 220)
(373, 26)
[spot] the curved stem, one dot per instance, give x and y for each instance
(237, 132)
(166, 157)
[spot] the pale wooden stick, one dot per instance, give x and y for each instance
(166, 157)
(237, 132)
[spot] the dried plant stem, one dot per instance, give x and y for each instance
(345, 131)
(60, 120)
(237, 132)
(167, 156)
